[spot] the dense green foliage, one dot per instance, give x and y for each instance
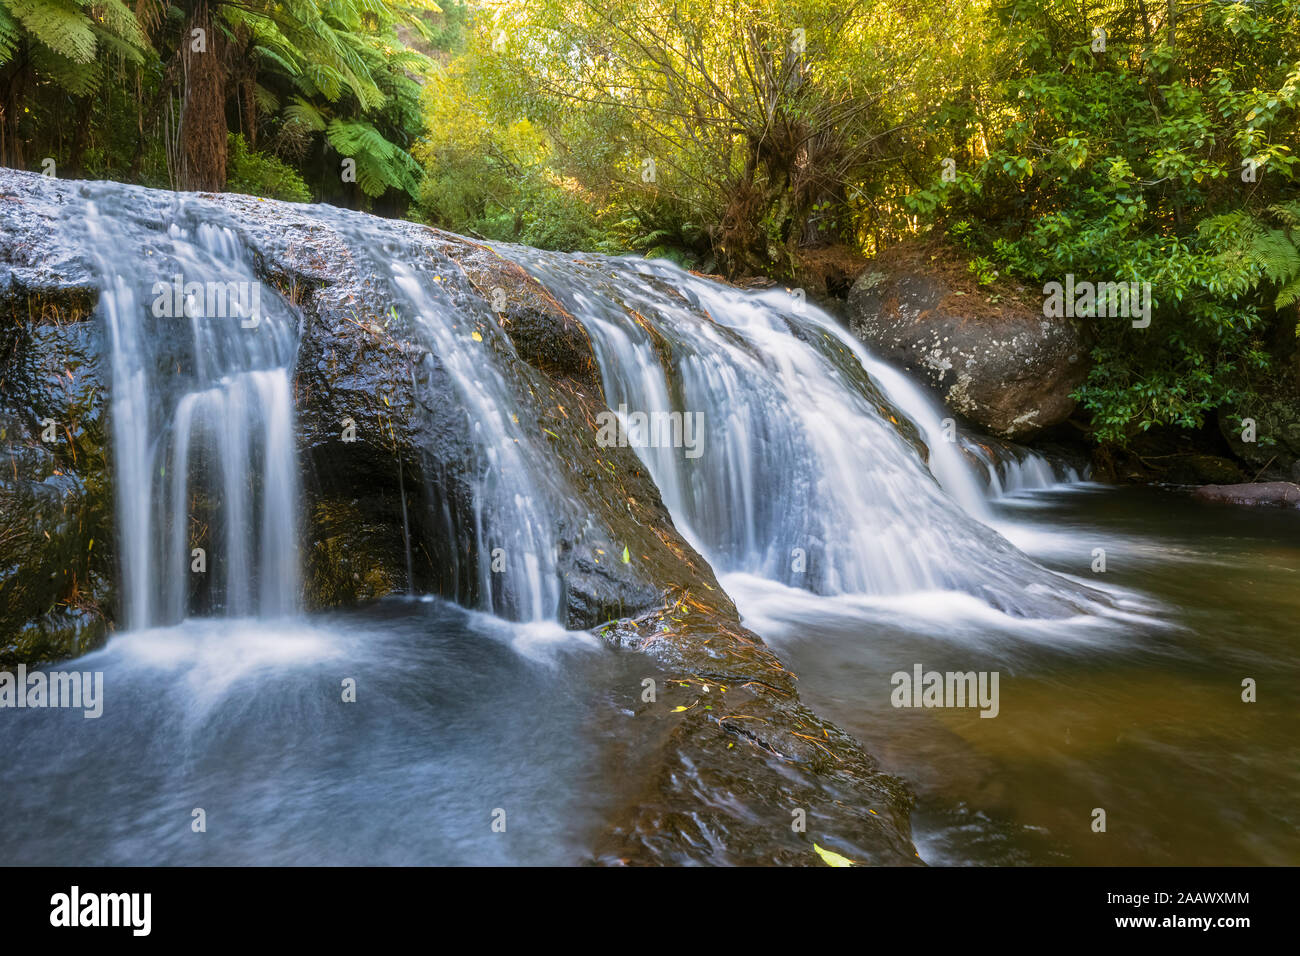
(1141, 141)
(1145, 141)
(106, 90)
(1168, 158)
(257, 174)
(728, 133)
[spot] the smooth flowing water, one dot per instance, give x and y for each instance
(1129, 704)
(201, 411)
(515, 503)
(456, 715)
(1142, 718)
(860, 531)
(804, 473)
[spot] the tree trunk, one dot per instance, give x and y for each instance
(203, 121)
(12, 83)
(250, 111)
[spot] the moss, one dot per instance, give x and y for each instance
(56, 516)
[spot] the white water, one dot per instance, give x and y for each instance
(806, 476)
(202, 419)
(1020, 470)
(822, 467)
(515, 503)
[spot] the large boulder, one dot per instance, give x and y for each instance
(394, 510)
(391, 512)
(992, 356)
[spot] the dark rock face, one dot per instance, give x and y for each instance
(56, 508)
(728, 703)
(1196, 469)
(1004, 367)
(403, 486)
(399, 489)
(1275, 494)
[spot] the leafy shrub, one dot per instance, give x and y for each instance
(257, 174)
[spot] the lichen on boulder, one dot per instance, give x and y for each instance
(989, 353)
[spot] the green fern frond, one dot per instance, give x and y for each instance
(79, 79)
(323, 79)
(58, 25)
(267, 102)
(653, 239)
(265, 54)
(381, 164)
(1289, 294)
(1287, 213)
(118, 20)
(1273, 251)
(350, 138)
(304, 114)
(10, 31)
(128, 51)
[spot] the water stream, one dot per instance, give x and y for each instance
(859, 530)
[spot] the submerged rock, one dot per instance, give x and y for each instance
(1001, 364)
(724, 705)
(1191, 468)
(1276, 494)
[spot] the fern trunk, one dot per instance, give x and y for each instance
(203, 123)
(13, 82)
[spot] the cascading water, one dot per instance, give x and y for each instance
(814, 471)
(1013, 470)
(514, 502)
(203, 424)
(807, 475)
(808, 443)
(201, 411)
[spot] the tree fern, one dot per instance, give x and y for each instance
(304, 114)
(10, 32)
(71, 38)
(79, 79)
(60, 25)
(1276, 253)
(267, 101)
(381, 164)
(119, 22)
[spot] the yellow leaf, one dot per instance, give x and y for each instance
(476, 337)
(627, 558)
(833, 859)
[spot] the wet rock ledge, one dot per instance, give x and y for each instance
(728, 753)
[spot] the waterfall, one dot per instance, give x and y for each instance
(821, 467)
(515, 503)
(815, 464)
(1012, 470)
(202, 412)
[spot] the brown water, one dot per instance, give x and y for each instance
(1138, 713)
